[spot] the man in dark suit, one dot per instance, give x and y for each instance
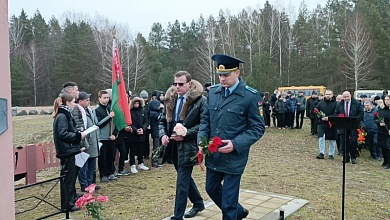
(184, 103)
(350, 107)
(232, 114)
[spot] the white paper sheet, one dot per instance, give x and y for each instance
(90, 129)
(81, 159)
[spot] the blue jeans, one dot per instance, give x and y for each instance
(332, 145)
(87, 172)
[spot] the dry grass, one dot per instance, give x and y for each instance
(281, 162)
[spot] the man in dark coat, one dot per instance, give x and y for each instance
(325, 129)
(232, 114)
(184, 106)
(350, 107)
(309, 112)
(156, 109)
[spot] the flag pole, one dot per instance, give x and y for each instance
(113, 51)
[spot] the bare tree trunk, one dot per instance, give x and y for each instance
(358, 51)
(206, 50)
(34, 65)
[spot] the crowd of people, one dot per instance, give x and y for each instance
(372, 115)
(228, 110)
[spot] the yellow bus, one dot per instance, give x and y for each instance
(307, 90)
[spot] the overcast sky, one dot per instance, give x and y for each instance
(141, 14)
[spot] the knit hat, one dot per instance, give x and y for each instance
(144, 94)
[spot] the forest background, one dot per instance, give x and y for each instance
(341, 45)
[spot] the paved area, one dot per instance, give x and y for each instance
(261, 205)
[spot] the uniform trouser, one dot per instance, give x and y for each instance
(185, 188)
(67, 186)
(290, 119)
(299, 118)
(136, 150)
(106, 158)
(87, 172)
(313, 125)
(224, 196)
(371, 143)
(267, 119)
(281, 120)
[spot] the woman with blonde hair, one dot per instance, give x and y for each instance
(67, 142)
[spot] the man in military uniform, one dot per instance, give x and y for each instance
(231, 113)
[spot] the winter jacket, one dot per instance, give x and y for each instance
(302, 100)
(103, 121)
(291, 105)
(310, 106)
(92, 139)
(155, 115)
(383, 133)
(280, 107)
(66, 137)
(140, 119)
(328, 107)
(190, 116)
(369, 121)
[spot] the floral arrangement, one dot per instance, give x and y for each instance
(381, 120)
(320, 114)
(157, 152)
(361, 136)
(91, 204)
(208, 148)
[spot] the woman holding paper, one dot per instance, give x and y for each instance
(67, 142)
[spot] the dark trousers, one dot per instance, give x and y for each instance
(351, 148)
(267, 119)
(68, 185)
(156, 144)
(313, 125)
(371, 143)
(224, 196)
(290, 119)
(146, 145)
(87, 172)
(123, 152)
(338, 142)
(281, 120)
(185, 188)
(273, 116)
(106, 158)
(299, 118)
(386, 156)
(136, 150)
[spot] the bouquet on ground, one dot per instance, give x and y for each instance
(91, 204)
(208, 148)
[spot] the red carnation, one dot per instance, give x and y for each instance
(315, 111)
(376, 114)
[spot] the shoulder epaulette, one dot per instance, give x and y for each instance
(250, 89)
(216, 85)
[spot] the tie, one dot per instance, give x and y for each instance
(179, 109)
(346, 109)
(227, 92)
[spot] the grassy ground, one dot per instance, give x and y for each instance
(282, 162)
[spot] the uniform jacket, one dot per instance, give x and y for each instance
(66, 137)
(140, 119)
(190, 117)
(234, 118)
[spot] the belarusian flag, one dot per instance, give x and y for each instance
(119, 105)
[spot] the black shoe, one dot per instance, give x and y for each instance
(146, 158)
(97, 188)
(193, 212)
(354, 161)
(243, 214)
(320, 156)
(296, 127)
(331, 157)
(74, 209)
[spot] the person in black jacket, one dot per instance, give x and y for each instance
(67, 142)
(325, 130)
(136, 136)
(156, 108)
(383, 131)
(350, 107)
(187, 94)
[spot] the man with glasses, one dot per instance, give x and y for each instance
(350, 107)
(184, 103)
(231, 113)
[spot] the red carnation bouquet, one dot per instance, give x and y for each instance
(381, 120)
(208, 148)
